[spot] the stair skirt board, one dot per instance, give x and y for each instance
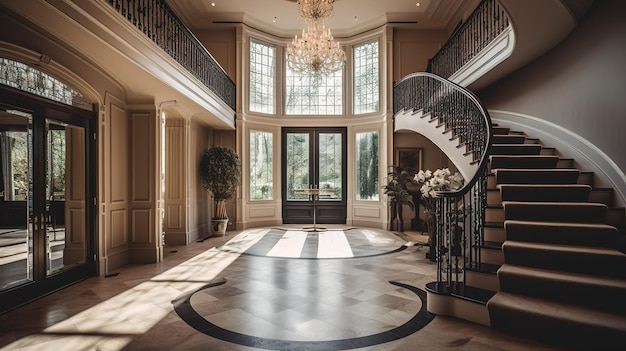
(455, 306)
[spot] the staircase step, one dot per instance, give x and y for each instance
(602, 195)
(509, 139)
(494, 197)
(494, 214)
(537, 176)
(548, 151)
(599, 235)
(567, 258)
(565, 163)
(483, 275)
(605, 293)
(575, 212)
(577, 327)
(539, 192)
(523, 161)
(515, 149)
(494, 232)
(585, 178)
(501, 130)
(491, 255)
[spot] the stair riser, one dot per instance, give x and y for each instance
(566, 261)
(482, 280)
(494, 198)
(546, 194)
(581, 235)
(495, 234)
(491, 256)
(561, 212)
(494, 215)
(603, 196)
(513, 149)
(607, 296)
(523, 162)
(537, 177)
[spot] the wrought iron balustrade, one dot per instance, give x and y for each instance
(485, 23)
(460, 214)
(158, 22)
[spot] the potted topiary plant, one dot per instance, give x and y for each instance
(396, 190)
(220, 170)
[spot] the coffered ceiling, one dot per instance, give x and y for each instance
(280, 17)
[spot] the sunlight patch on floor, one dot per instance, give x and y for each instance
(112, 324)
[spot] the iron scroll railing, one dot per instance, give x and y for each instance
(485, 23)
(158, 22)
(460, 214)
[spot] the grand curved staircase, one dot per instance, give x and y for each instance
(543, 249)
(552, 248)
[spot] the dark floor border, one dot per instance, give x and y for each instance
(182, 306)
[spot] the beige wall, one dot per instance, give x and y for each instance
(580, 85)
(413, 48)
(222, 46)
(200, 205)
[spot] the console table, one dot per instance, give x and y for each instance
(314, 194)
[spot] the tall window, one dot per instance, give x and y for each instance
(261, 164)
(367, 165)
(366, 78)
(262, 77)
(312, 94)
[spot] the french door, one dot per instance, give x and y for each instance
(46, 199)
(314, 158)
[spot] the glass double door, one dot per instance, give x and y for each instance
(45, 214)
(314, 175)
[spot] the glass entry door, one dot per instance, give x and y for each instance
(45, 211)
(314, 158)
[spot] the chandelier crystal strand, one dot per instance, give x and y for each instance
(315, 9)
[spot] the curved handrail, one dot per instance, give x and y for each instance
(410, 93)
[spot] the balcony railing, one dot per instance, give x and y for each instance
(158, 22)
(485, 23)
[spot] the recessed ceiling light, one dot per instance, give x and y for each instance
(213, 3)
(356, 18)
(274, 19)
(418, 4)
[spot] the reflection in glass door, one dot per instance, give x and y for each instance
(65, 196)
(314, 158)
(16, 202)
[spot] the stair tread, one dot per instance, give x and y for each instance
(563, 276)
(536, 307)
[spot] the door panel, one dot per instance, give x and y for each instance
(314, 158)
(16, 202)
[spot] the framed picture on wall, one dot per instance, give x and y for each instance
(409, 159)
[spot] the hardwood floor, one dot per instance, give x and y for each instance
(303, 303)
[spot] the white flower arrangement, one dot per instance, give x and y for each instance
(439, 180)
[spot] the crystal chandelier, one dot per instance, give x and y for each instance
(316, 51)
(315, 9)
